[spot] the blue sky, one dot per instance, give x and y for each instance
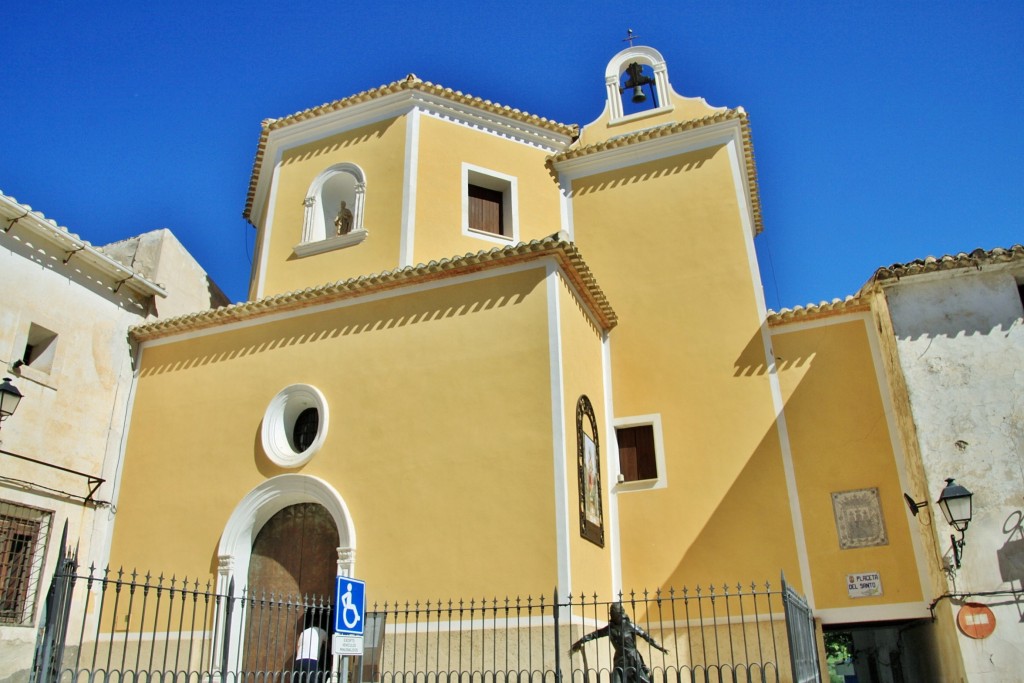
(883, 132)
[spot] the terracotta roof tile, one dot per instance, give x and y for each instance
(565, 252)
(409, 83)
(679, 127)
(818, 310)
(978, 258)
(22, 215)
(932, 264)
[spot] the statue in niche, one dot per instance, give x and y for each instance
(343, 221)
(629, 666)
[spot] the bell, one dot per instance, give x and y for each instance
(638, 95)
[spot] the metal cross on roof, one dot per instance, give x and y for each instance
(630, 37)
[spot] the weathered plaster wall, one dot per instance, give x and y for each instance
(960, 339)
(75, 401)
(73, 409)
(160, 257)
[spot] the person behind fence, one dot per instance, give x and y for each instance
(629, 666)
(311, 650)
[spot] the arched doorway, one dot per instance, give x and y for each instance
(291, 578)
(239, 540)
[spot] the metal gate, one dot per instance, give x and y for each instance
(803, 644)
(116, 626)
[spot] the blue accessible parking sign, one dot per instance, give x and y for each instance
(349, 606)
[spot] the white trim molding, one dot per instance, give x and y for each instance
(410, 166)
(656, 147)
(330, 244)
(563, 532)
(890, 612)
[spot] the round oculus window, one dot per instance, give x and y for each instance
(294, 425)
(307, 424)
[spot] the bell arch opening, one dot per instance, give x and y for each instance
(639, 76)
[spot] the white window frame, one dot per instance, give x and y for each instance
(279, 422)
(316, 237)
(493, 180)
(659, 482)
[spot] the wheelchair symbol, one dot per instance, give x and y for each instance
(348, 608)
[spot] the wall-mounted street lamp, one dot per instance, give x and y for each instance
(914, 505)
(9, 399)
(955, 503)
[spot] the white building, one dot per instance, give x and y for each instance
(64, 316)
(958, 327)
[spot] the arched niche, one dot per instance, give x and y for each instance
(324, 227)
(651, 61)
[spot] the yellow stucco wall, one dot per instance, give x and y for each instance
(582, 375)
(379, 149)
(666, 242)
(840, 440)
(440, 437)
(443, 148)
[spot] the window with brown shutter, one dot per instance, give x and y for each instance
(486, 210)
(637, 459)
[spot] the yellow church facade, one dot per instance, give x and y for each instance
(502, 354)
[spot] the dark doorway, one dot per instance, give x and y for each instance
(292, 569)
(881, 652)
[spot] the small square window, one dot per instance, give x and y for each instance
(637, 456)
(641, 453)
(40, 348)
(489, 205)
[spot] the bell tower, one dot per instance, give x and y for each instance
(626, 77)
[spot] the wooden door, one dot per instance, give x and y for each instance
(293, 565)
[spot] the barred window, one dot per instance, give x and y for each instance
(23, 535)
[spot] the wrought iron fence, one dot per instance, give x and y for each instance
(113, 626)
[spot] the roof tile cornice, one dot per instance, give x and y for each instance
(888, 275)
(670, 129)
(22, 216)
(931, 264)
(566, 253)
(410, 83)
(850, 304)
